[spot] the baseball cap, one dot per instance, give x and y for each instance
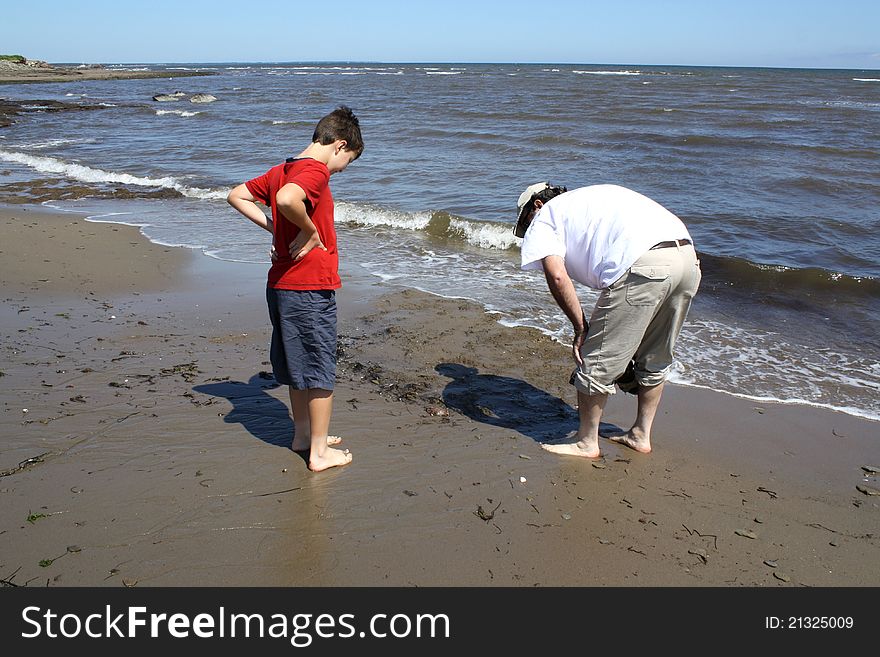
(522, 206)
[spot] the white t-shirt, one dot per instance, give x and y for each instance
(600, 231)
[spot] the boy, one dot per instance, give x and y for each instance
(304, 276)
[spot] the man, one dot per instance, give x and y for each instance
(641, 258)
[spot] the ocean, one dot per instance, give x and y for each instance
(776, 172)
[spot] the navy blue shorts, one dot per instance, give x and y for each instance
(303, 352)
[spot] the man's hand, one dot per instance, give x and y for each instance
(577, 343)
(305, 242)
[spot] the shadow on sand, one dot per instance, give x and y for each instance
(262, 415)
(511, 403)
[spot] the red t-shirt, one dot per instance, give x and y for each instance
(319, 270)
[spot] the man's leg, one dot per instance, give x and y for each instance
(590, 409)
(654, 356)
(639, 436)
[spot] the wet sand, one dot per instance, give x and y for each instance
(154, 445)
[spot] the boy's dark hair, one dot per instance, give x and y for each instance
(341, 123)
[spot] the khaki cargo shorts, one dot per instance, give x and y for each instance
(639, 318)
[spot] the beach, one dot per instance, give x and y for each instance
(145, 443)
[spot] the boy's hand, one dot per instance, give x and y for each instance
(303, 243)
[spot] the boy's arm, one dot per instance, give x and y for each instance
(291, 203)
(242, 200)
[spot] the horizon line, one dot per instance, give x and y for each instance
(462, 63)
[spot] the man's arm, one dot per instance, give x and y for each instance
(564, 293)
(291, 203)
(242, 200)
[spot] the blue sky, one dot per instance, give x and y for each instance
(802, 33)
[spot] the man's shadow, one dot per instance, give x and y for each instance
(265, 417)
(511, 403)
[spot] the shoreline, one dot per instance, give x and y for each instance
(152, 430)
(23, 74)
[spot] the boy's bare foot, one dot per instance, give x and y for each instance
(331, 458)
(573, 449)
(305, 445)
(640, 444)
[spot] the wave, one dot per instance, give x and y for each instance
(808, 282)
(809, 285)
(52, 143)
(299, 124)
(88, 174)
(607, 72)
(177, 112)
(727, 274)
(438, 224)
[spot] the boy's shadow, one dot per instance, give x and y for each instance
(510, 403)
(264, 416)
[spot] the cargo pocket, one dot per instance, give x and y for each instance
(647, 285)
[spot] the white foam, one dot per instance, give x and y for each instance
(849, 410)
(368, 217)
(88, 174)
(866, 79)
(52, 143)
(484, 235)
(607, 72)
(443, 72)
(176, 112)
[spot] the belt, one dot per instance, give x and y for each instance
(669, 244)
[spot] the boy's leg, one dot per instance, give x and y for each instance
(302, 426)
(299, 404)
(322, 456)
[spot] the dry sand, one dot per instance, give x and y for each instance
(153, 448)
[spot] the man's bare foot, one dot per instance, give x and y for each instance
(305, 445)
(330, 459)
(629, 439)
(573, 449)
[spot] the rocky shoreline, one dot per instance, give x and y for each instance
(27, 71)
